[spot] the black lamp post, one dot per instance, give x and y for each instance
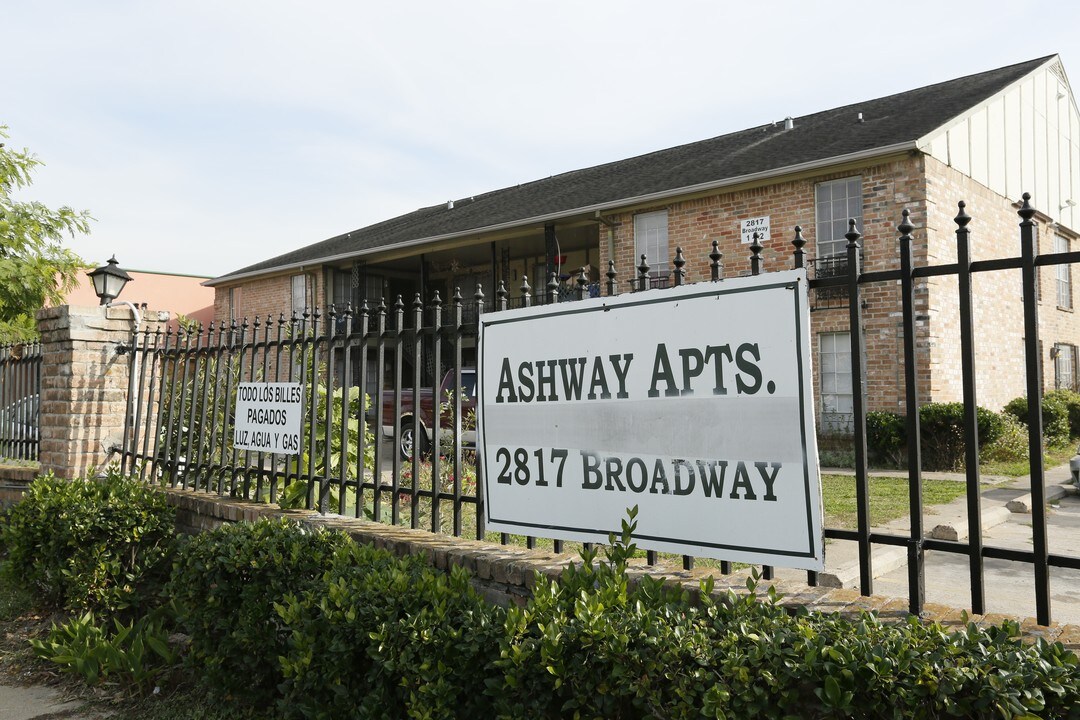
(109, 280)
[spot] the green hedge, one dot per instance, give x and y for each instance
(1056, 415)
(383, 637)
(317, 627)
(224, 587)
(101, 545)
(941, 428)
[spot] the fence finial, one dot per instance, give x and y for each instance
(553, 289)
(611, 275)
(905, 227)
(852, 235)
(582, 284)
(526, 291)
(716, 265)
(961, 219)
(679, 262)
(501, 295)
(643, 273)
(1026, 211)
(799, 242)
(755, 254)
(436, 306)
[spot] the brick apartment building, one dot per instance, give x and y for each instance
(984, 139)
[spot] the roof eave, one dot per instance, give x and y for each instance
(648, 198)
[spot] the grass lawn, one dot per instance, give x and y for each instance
(888, 498)
(1051, 458)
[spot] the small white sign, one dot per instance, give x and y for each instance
(759, 225)
(694, 403)
(268, 417)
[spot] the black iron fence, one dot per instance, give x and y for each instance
(361, 447)
(20, 400)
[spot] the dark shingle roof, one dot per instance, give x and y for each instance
(888, 121)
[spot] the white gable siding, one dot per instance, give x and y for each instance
(1024, 139)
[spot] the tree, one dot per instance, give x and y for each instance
(35, 268)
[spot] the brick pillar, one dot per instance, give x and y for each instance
(83, 386)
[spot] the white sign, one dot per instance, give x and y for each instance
(693, 403)
(268, 417)
(759, 225)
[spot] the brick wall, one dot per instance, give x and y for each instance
(888, 188)
(264, 296)
(998, 304)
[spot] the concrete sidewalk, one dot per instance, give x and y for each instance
(27, 703)
(1005, 521)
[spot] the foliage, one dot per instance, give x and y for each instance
(387, 637)
(1055, 416)
(35, 268)
(135, 654)
(100, 544)
(886, 437)
(1010, 446)
(1071, 400)
(223, 589)
(941, 427)
(295, 494)
(942, 430)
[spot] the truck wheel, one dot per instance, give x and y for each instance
(407, 442)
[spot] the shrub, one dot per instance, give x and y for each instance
(942, 430)
(1071, 400)
(1055, 416)
(102, 545)
(391, 638)
(886, 437)
(224, 586)
(1011, 445)
(591, 645)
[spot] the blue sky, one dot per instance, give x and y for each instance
(206, 136)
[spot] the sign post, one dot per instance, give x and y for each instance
(693, 403)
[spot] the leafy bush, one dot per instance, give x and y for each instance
(592, 645)
(1055, 416)
(134, 655)
(942, 429)
(102, 545)
(389, 637)
(1011, 445)
(1071, 400)
(224, 586)
(886, 437)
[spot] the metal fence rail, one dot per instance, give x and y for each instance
(183, 391)
(20, 396)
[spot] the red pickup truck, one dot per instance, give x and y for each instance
(406, 443)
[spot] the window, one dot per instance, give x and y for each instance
(837, 201)
(1064, 277)
(1064, 367)
(651, 240)
(837, 406)
(234, 303)
(300, 299)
